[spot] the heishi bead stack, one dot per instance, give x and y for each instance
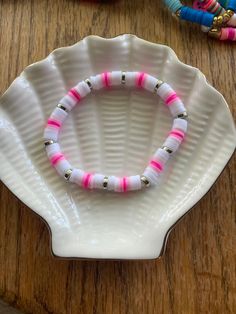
(156, 165)
(218, 19)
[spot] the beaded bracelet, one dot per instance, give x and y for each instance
(225, 18)
(208, 16)
(112, 183)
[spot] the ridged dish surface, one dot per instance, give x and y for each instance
(113, 132)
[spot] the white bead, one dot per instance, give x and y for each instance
(161, 155)
(176, 107)
(77, 176)
(51, 133)
(68, 102)
(53, 149)
(172, 143)
(130, 78)
(62, 166)
(117, 187)
(97, 182)
(83, 89)
(164, 90)
(59, 115)
(180, 124)
(232, 21)
(116, 78)
(97, 81)
(134, 183)
(152, 176)
(150, 83)
(111, 183)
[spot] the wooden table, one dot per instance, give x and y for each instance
(198, 272)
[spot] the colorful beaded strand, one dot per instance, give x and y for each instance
(210, 14)
(212, 6)
(157, 163)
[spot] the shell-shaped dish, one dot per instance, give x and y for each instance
(113, 132)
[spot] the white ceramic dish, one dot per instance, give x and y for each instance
(115, 132)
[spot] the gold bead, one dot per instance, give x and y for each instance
(218, 21)
(222, 20)
(227, 16)
(230, 13)
(105, 183)
(145, 182)
(215, 21)
(215, 33)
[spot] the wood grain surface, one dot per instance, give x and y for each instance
(198, 272)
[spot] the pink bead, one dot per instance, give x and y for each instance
(54, 123)
(124, 184)
(231, 33)
(106, 79)
(228, 33)
(171, 98)
(86, 180)
(156, 165)
(140, 79)
(197, 5)
(207, 3)
(74, 94)
(56, 158)
(177, 134)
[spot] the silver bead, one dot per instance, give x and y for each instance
(159, 83)
(62, 107)
(49, 142)
(88, 82)
(145, 182)
(105, 183)
(183, 115)
(167, 149)
(123, 77)
(67, 174)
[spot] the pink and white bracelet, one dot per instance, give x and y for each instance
(156, 165)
